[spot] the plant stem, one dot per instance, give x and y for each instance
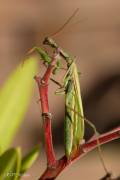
(43, 92)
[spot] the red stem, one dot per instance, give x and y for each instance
(43, 92)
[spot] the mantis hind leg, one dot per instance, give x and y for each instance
(98, 145)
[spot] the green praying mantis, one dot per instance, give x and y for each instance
(74, 121)
(74, 128)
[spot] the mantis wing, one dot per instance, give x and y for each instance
(74, 124)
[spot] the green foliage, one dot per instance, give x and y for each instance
(12, 166)
(29, 159)
(10, 163)
(14, 99)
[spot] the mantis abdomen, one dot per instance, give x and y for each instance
(74, 124)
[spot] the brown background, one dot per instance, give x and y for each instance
(93, 36)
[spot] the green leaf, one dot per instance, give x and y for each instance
(10, 163)
(14, 99)
(18, 164)
(29, 159)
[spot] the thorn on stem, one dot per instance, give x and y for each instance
(40, 81)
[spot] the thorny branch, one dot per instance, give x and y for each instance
(55, 167)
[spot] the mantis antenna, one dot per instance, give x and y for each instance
(65, 24)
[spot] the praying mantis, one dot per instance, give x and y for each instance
(74, 122)
(74, 128)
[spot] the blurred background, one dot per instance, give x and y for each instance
(93, 36)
